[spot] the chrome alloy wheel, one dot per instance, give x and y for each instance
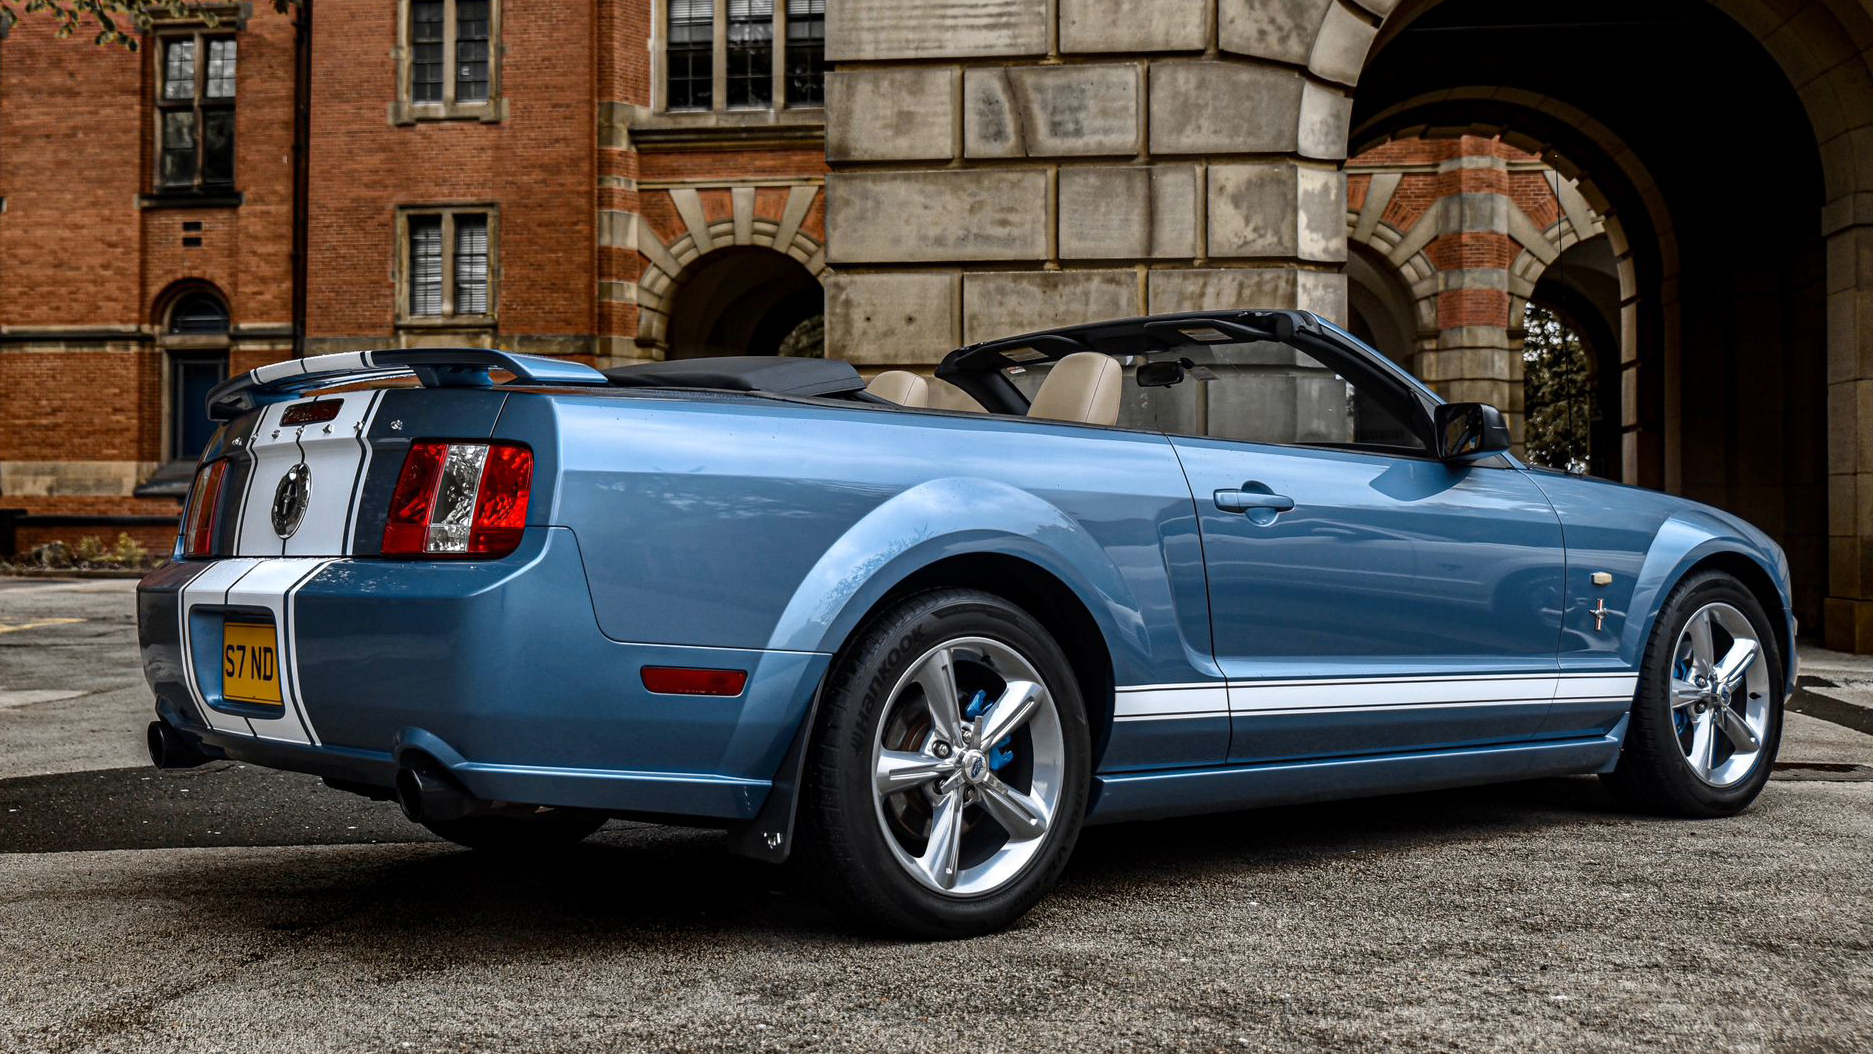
(1719, 694)
(969, 762)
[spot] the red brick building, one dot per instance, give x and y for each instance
(640, 179)
(551, 177)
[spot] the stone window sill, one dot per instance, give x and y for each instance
(446, 322)
(405, 114)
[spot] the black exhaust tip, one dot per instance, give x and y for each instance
(170, 749)
(427, 793)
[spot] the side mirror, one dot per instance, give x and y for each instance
(1160, 374)
(1469, 430)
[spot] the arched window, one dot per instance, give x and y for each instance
(198, 313)
(196, 339)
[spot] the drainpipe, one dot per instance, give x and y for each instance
(302, 138)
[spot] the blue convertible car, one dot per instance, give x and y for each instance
(1139, 568)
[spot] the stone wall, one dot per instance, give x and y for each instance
(1005, 165)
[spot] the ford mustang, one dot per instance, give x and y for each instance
(912, 635)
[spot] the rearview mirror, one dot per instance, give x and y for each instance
(1161, 374)
(1470, 430)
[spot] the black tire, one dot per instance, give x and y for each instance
(843, 851)
(498, 833)
(1652, 776)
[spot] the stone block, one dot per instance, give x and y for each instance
(1340, 47)
(1476, 213)
(873, 30)
(1002, 304)
(1283, 30)
(1128, 211)
(1215, 289)
(1210, 107)
(1275, 209)
(1320, 197)
(904, 114)
(1126, 25)
(891, 318)
(1051, 111)
(902, 217)
(1326, 116)
(617, 229)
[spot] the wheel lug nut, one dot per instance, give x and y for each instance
(941, 750)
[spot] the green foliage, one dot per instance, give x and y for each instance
(1557, 390)
(807, 341)
(90, 552)
(118, 23)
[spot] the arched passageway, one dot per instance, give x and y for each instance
(1693, 146)
(741, 301)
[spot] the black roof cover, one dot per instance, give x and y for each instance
(743, 373)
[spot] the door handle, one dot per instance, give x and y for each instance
(1253, 497)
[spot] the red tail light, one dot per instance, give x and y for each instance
(459, 499)
(686, 680)
(204, 511)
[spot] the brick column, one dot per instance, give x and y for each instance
(1478, 357)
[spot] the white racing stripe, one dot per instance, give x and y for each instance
(334, 451)
(1174, 701)
(1171, 702)
(270, 584)
(210, 588)
(1597, 686)
(337, 455)
(267, 586)
(1359, 695)
(274, 451)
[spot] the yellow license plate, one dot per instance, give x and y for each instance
(250, 664)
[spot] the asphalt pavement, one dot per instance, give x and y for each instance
(230, 908)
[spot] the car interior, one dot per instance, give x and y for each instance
(1081, 370)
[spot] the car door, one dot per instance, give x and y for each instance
(1364, 597)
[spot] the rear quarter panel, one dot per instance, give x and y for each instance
(756, 523)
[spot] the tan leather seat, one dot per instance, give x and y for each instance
(1082, 387)
(901, 387)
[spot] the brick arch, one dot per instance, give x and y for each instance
(173, 293)
(671, 265)
(1402, 250)
(1823, 51)
(1812, 41)
(1623, 203)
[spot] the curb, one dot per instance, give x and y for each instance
(56, 573)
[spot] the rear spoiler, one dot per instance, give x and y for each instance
(434, 367)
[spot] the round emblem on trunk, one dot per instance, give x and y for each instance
(290, 498)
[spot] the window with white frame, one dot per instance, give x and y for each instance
(449, 64)
(743, 54)
(448, 265)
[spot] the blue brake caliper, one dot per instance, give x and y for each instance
(1679, 719)
(1001, 753)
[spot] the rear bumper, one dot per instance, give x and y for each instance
(495, 669)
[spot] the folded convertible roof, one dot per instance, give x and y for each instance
(433, 367)
(1142, 335)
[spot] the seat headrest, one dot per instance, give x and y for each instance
(901, 387)
(1082, 387)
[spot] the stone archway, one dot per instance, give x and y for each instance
(740, 300)
(1011, 163)
(769, 248)
(1722, 316)
(1595, 187)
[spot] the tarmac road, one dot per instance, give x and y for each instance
(232, 908)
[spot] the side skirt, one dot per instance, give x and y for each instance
(1152, 795)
